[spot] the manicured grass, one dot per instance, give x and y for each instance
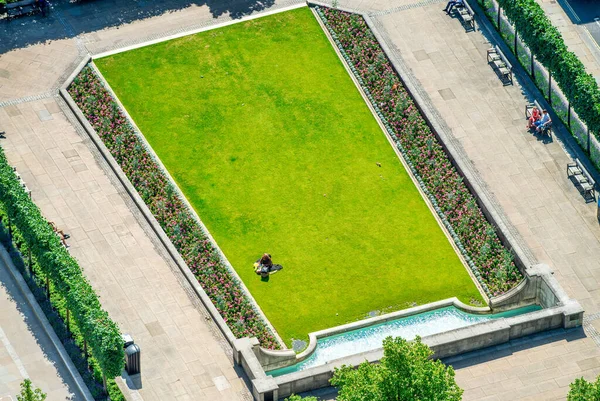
(267, 136)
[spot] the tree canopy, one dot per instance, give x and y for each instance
(405, 373)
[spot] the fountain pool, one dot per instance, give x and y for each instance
(371, 337)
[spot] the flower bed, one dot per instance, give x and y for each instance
(169, 210)
(476, 238)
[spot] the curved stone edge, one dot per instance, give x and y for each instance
(274, 359)
(48, 330)
(188, 205)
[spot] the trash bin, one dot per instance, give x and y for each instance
(132, 359)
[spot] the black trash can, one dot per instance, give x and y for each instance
(132, 359)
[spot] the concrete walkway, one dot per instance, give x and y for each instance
(184, 356)
(25, 349)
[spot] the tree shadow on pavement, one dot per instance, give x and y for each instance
(69, 19)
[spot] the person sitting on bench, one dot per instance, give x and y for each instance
(453, 3)
(264, 266)
(535, 116)
(61, 233)
(541, 123)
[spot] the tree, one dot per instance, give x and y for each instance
(29, 394)
(405, 373)
(582, 390)
(295, 397)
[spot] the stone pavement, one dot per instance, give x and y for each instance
(144, 291)
(25, 349)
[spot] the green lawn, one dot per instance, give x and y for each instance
(269, 139)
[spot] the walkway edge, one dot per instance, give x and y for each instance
(43, 320)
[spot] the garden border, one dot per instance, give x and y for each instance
(491, 210)
(187, 204)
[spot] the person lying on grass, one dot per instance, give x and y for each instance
(264, 266)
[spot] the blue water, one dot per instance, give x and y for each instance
(371, 337)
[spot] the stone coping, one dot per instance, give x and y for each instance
(440, 343)
(198, 30)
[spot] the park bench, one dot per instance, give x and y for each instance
(467, 14)
(499, 60)
(546, 128)
(529, 107)
(21, 8)
(582, 177)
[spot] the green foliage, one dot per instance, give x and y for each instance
(582, 390)
(29, 394)
(405, 373)
(102, 334)
(295, 397)
(290, 170)
(549, 48)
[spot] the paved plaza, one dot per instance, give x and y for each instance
(184, 356)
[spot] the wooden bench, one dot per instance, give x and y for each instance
(467, 14)
(499, 60)
(21, 8)
(582, 177)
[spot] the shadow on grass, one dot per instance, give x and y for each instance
(67, 20)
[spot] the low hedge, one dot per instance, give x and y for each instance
(546, 43)
(476, 238)
(169, 210)
(101, 333)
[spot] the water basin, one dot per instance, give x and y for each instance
(371, 337)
